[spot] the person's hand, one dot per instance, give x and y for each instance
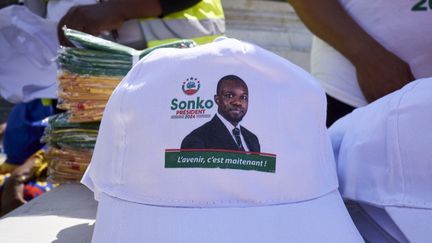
(13, 193)
(92, 19)
(382, 74)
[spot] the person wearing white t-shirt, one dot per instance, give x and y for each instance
(364, 50)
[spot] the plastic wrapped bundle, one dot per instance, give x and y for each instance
(84, 96)
(87, 76)
(67, 165)
(89, 73)
(70, 147)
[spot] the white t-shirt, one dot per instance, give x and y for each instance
(403, 31)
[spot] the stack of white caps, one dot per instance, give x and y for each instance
(384, 159)
(282, 188)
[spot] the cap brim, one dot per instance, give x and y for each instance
(324, 219)
(414, 223)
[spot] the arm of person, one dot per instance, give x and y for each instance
(379, 71)
(13, 192)
(109, 15)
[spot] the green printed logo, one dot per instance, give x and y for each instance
(422, 5)
(224, 159)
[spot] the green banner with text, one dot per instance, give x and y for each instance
(175, 158)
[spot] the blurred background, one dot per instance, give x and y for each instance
(272, 24)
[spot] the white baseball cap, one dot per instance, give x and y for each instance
(383, 154)
(28, 48)
(150, 190)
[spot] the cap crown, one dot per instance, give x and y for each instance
(152, 110)
(28, 46)
(383, 150)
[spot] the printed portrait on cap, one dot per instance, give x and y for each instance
(224, 134)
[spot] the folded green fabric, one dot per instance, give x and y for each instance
(60, 133)
(99, 57)
(87, 41)
(61, 121)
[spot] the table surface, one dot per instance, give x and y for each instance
(65, 214)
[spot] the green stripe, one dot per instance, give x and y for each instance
(223, 160)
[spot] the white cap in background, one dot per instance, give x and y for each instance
(384, 160)
(28, 48)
